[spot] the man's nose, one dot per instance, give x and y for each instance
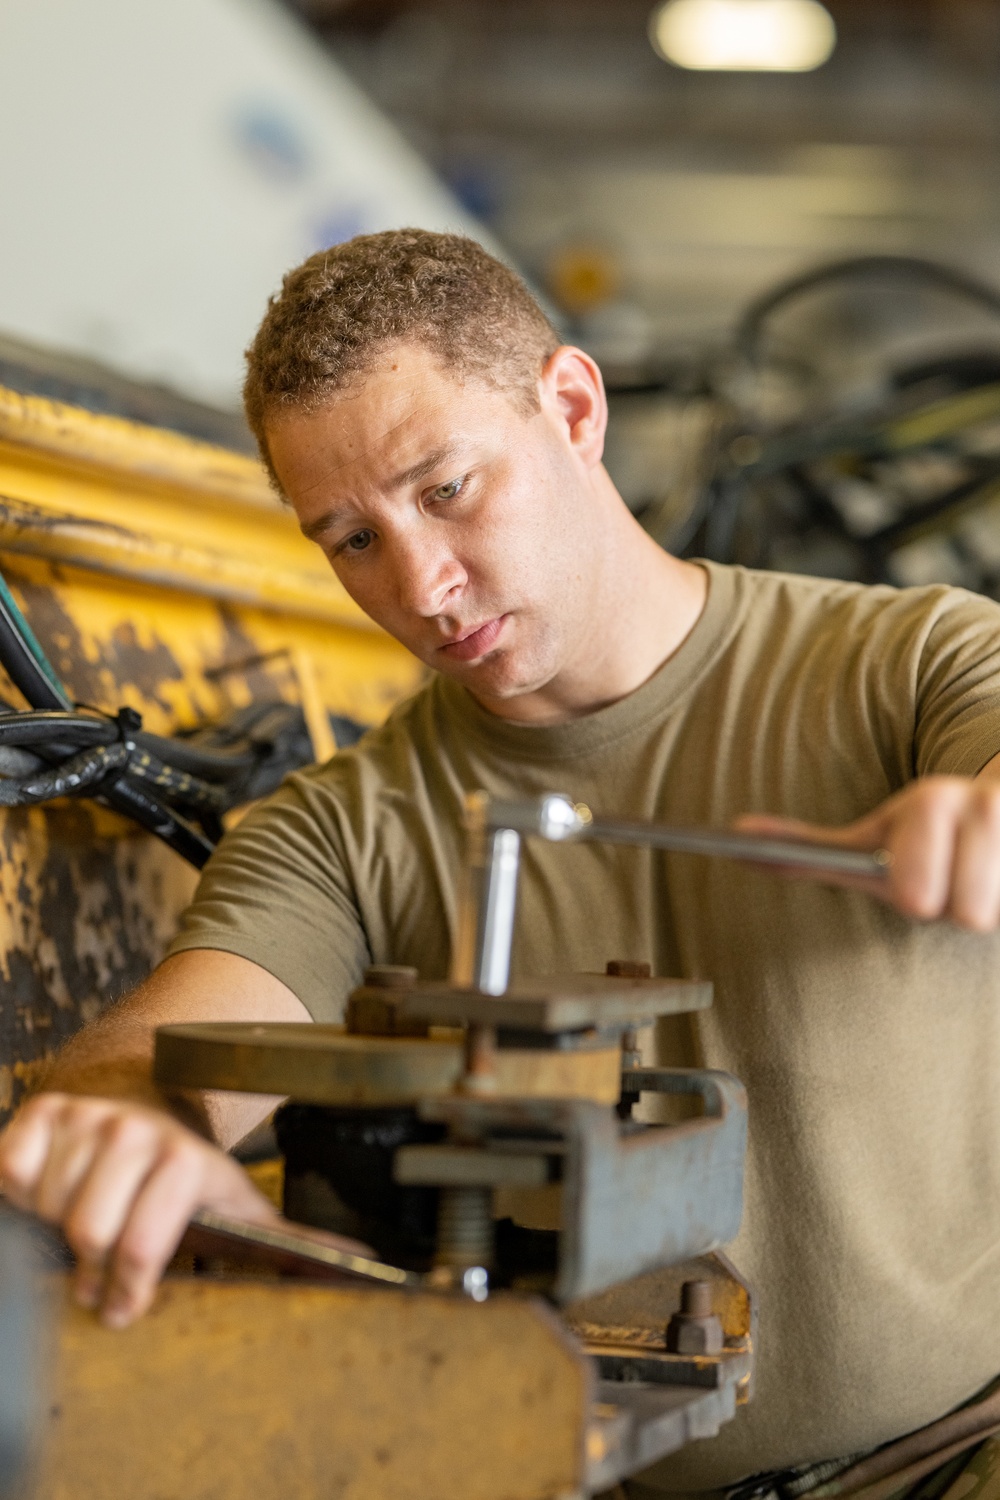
(429, 575)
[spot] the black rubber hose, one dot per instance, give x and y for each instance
(191, 791)
(88, 735)
(73, 778)
(83, 774)
(29, 669)
(81, 747)
(210, 765)
(135, 803)
(45, 726)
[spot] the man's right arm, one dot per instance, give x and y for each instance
(118, 1164)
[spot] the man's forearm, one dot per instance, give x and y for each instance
(112, 1057)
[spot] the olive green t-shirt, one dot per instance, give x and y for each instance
(869, 1044)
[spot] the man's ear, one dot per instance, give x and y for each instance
(572, 393)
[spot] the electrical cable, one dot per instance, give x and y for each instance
(181, 836)
(25, 662)
(73, 777)
(85, 727)
(176, 789)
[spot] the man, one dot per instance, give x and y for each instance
(441, 446)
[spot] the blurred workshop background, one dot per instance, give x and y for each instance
(774, 222)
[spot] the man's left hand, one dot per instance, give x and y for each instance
(942, 835)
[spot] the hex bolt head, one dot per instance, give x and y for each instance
(374, 1008)
(390, 976)
(695, 1329)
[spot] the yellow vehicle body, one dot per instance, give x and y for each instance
(159, 572)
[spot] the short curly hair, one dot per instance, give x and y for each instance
(335, 312)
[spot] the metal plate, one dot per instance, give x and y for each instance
(313, 1063)
(326, 1065)
(571, 1003)
(635, 1425)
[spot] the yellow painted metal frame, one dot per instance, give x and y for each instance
(268, 1391)
(163, 521)
(163, 573)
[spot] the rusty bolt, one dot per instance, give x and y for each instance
(695, 1329)
(627, 968)
(480, 1072)
(374, 1008)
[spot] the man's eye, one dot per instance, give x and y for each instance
(448, 491)
(359, 542)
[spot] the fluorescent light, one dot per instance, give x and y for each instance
(770, 36)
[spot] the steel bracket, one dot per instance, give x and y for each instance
(634, 1197)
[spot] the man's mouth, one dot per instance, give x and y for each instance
(475, 643)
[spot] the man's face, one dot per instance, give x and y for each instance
(456, 521)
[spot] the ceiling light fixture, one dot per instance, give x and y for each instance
(767, 36)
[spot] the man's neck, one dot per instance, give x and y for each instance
(644, 605)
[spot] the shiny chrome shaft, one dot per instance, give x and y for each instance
(481, 957)
(755, 848)
(495, 827)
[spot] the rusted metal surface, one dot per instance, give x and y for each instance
(636, 1312)
(81, 382)
(657, 1399)
(318, 1064)
(182, 657)
(155, 507)
(639, 1423)
(325, 1065)
(631, 1200)
(158, 572)
(571, 1002)
(264, 1391)
(625, 1327)
(373, 1008)
(87, 906)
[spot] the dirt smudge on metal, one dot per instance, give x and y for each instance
(146, 667)
(115, 664)
(86, 911)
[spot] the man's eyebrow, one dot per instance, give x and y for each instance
(420, 470)
(331, 519)
(322, 524)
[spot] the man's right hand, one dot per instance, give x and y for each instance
(122, 1181)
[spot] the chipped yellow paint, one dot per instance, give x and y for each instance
(144, 538)
(136, 503)
(162, 573)
(26, 1075)
(127, 451)
(160, 650)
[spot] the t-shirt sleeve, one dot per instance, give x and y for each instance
(957, 727)
(278, 892)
